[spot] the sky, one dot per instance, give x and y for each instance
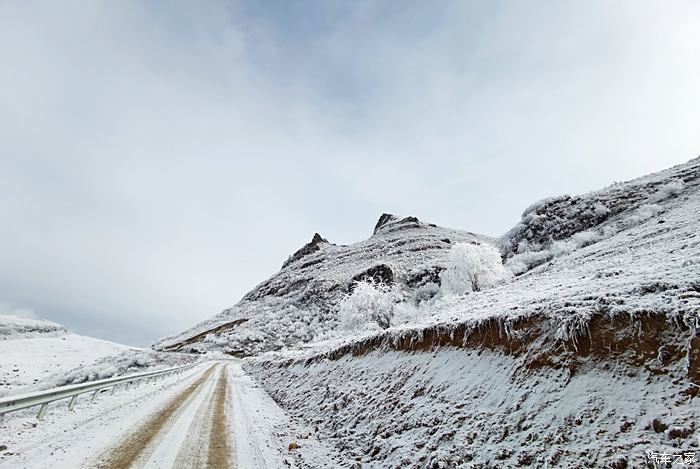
(160, 159)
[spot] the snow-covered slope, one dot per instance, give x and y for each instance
(589, 357)
(35, 351)
(301, 301)
(38, 354)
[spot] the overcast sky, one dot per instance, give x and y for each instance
(159, 159)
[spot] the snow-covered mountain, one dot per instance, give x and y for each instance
(301, 301)
(589, 356)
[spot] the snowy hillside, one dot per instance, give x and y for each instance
(301, 301)
(39, 354)
(588, 357)
(33, 351)
(13, 327)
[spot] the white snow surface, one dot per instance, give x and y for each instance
(259, 431)
(463, 408)
(36, 353)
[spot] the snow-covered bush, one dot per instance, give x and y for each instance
(369, 306)
(642, 214)
(404, 313)
(424, 294)
(667, 191)
(579, 240)
(525, 261)
(123, 363)
(472, 267)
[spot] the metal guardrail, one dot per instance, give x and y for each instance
(44, 398)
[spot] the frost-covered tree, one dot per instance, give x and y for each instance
(369, 306)
(472, 267)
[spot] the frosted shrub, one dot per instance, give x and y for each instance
(369, 306)
(424, 294)
(642, 214)
(667, 191)
(472, 267)
(579, 240)
(404, 313)
(521, 263)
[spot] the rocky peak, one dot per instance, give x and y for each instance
(383, 220)
(388, 222)
(310, 247)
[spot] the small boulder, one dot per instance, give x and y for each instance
(659, 426)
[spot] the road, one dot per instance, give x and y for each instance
(215, 416)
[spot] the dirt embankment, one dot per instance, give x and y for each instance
(502, 394)
(650, 340)
(179, 346)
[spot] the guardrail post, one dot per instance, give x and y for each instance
(42, 411)
(94, 395)
(72, 402)
(114, 388)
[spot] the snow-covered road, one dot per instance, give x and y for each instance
(213, 416)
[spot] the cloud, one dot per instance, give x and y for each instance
(156, 163)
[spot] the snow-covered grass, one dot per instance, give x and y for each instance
(473, 408)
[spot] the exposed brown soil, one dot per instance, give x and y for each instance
(199, 337)
(219, 455)
(649, 340)
(129, 450)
